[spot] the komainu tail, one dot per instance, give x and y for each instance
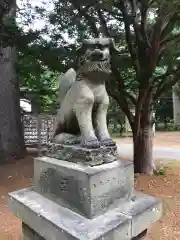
(66, 80)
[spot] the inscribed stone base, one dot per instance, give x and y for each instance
(52, 221)
(90, 191)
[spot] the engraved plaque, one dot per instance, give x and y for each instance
(61, 186)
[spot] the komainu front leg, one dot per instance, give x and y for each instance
(101, 124)
(83, 111)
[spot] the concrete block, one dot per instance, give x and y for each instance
(143, 210)
(90, 191)
(53, 222)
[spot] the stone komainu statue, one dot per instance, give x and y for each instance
(84, 99)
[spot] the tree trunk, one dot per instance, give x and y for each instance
(143, 147)
(11, 131)
(143, 139)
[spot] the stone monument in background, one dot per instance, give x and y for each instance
(82, 190)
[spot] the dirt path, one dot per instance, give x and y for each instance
(12, 177)
(162, 139)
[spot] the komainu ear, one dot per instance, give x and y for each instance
(79, 55)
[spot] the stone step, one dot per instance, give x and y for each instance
(90, 191)
(51, 221)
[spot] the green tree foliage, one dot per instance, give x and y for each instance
(37, 82)
(164, 109)
(176, 88)
(146, 33)
(115, 118)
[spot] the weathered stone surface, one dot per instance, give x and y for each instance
(52, 221)
(90, 191)
(29, 234)
(76, 153)
(141, 236)
(143, 210)
(84, 100)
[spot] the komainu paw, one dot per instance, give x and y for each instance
(108, 142)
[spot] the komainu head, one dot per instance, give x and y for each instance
(95, 55)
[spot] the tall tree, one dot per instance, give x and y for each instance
(11, 132)
(147, 33)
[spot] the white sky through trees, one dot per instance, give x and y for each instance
(37, 23)
(23, 4)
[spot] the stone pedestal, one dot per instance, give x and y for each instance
(78, 154)
(77, 201)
